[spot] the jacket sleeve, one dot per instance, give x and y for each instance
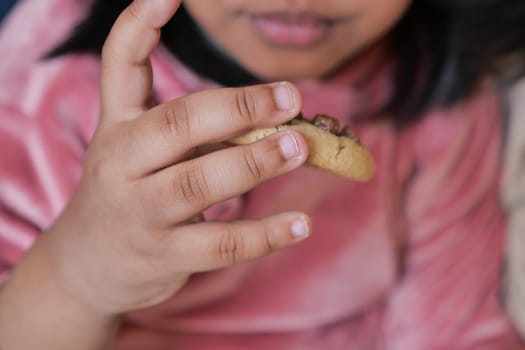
(448, 295)
(40, 163)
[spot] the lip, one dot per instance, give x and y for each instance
(291, 29)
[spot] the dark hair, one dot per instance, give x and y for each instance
(454, 42)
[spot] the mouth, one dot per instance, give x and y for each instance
(289, 29)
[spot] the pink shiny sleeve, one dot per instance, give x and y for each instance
(40, 162)
(448, 295)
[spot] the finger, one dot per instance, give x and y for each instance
(166, 133)
(126, 71)
(211, 245)
(182, 191)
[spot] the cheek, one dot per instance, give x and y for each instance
(377, 18)
(209, 14)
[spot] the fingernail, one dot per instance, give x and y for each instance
(284, 97)
(301, 228)
(289, 146)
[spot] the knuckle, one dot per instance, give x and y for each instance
(176, 121)
(135, 11)
(269, 244)
(246, 105)
(98, 171)
(191, 186)
(99, 167)
(230, 248)
(254, 164)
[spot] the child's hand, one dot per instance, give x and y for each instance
(128, 238)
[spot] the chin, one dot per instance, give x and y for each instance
(280, 71)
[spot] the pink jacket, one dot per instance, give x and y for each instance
(408, 261)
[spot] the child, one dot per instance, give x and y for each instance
(409, 260)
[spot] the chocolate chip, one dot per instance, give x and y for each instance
(326, 123)
(349, 132)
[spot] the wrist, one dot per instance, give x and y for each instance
(33, 301)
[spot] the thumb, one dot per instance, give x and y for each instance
(126, 70)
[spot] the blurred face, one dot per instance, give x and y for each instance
(294, 39)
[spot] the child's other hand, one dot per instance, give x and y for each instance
(128, 239)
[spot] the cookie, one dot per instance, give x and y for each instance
(331, 148)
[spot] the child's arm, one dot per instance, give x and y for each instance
(128, 238)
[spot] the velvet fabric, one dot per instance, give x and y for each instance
(408, 261)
